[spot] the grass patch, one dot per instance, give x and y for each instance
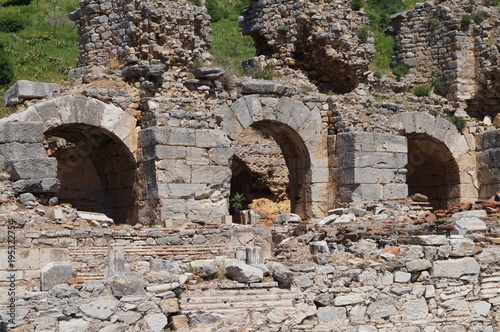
(421, 90)
(400, 71)
(459, 122)
(38, 39)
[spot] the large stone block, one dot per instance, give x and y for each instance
(455, 268)
(211, 138)
(489, 139)
(395, 190)
(181, 190)
(210, 174)
(36, 186)
(55, 273)
(26, 90)
(32, 168)
(21, 132)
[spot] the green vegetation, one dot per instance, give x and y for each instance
(434, 113)
(439, 86)
(421, 90)
(229, 47)
(400, 71)
(459, 122)
(379, 12)
(479, 16)
(492, 2)
(237, 202)
(466, 21)
(37, 41)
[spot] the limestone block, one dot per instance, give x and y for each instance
(210, 174)
(196, 156)
(14, 151)
(367, 192)
(156, 322)
(232, 127)
(402, 277)
(55, 273)
(489, 139)
(241, 112)
(26, 259)
(32, 168)
(390, 143)
(429, 240)
(181, 190)
(470, 214)
(170, 305)
(381, 309)
(114, 328)
(173, 208)
(416, 309)
(254, 106)
(127, 284)
(288, 217)
(180, 323)
(469, 225)
(331, 314)
(395, 190)
(263, 87)
(101, 308)
(211, 138)
(153, 136)
(418, 265)
(351, 299)
(21, 132)
(26, 90)
(241, 272)
(455, 268)
(73, 325)
(220, 156)
(48, 185)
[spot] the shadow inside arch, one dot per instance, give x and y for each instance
(96, 169)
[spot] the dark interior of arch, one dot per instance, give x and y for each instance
(298, 163)
(432, 171)
(97, 172)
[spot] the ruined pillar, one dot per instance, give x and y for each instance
(116, 259)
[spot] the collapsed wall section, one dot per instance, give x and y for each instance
(370, 167)
(123, 32)
(319, 38)
(488, 162)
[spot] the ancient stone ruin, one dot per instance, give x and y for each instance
(368, 210)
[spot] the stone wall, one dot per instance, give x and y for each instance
(121, 33)
(455, 42)
(23, 157)
(488, 163)
(189, 172)
(318, 38)
(370, 167)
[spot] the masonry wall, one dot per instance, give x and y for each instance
(488, 162)
(23, 157)
(189, 172)
(370, 166)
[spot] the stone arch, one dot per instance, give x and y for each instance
(297, 129)
(103, 149)
(440, 159)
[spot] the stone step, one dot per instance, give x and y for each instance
(227, 302)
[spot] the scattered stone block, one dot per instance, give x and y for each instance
(156, 322)
(381, 309)
(455, 268)
(470, 214)
(281, 274)
(319, 246)
(55, 273)
(249, 217)
(180, 323)
(241, 272)
(288, 218)
(345, 300)
(418, 265)
(469, 225)
(429, 240)
(73, 325)
(56, 214)
(331, 314)
(101, 308)
(402, 277)
(26, 90)
(127, 284)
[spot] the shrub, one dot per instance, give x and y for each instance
(357, 4)
(216, 11)
(439, 86)
(400, 71)
(479, 16)
(466, 21)
(491, 2)
(363, 34)
(433, 22)
(266, 73)
(237, 202)
(283, 29)
(421, 90)
(6, 68)
(377, 74)
(469, 8)
(11, 24)
(434, 113)
(457, 121)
